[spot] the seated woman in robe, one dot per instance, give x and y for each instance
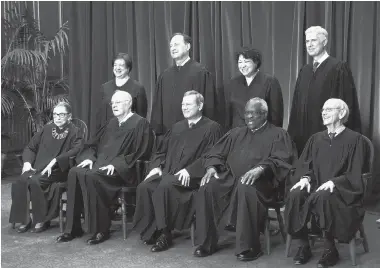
(46, 163)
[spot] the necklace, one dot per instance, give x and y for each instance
(59, 136)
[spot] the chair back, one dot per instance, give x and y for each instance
(83, 130)
(366, 177)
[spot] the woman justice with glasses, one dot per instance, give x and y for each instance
(46, 163)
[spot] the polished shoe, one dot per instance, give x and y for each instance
(153, 239)
(230, 228)
(66, 237)
(330, 257)
(24, 228)
(43, 228)
(303, 255)
(202, 252)
(163, 243)
(98, 238)
(249, 255)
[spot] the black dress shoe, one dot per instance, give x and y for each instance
(98, 238)
(25, 228)
(330, 257)
(163, 243)
(230, 228)
(66, 237)
(202, 252)
(303, 255)
(250, 255)
(153, 239)
(43, 228)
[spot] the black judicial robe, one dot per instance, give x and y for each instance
(332, 79)
(139, 100)
(341, 160)
(120, 146)
(235, 153)
(238, 93)
(170, 88)
(44, 190)
(181, 148)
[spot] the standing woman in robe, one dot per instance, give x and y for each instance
(252, 83)
(122, 67)
(46, 163)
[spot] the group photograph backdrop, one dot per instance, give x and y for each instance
(98, 30)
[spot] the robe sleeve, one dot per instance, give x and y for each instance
(217, 156)
(143, 146)
(196, 168)
(345, 89)
(294, 114)
(90, 148)
(276, 104)
(158, 159)
(350, 184)
(156, 119)
(141, 103)
(281, 158)
(76, 142)
(30, 151)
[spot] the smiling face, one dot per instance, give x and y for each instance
(178, 48)
(331, 113)
(190, 108)
(254, 116)
(60, 116)
(246, 66)
(315, 43)
(120, 69)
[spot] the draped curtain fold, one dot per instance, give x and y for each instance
(101, 29)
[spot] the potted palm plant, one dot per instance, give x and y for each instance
(26, 54)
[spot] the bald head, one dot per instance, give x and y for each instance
(121, 103)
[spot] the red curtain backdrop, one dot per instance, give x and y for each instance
(101, 29)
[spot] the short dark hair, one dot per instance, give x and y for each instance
(187, 39)
(250, 53)
(127, 59)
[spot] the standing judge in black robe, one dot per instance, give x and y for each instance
(255, 159)
(185, 75)
(327, 184)
(323, 79)
(46, 163)
(252, 83)
(107, 163)
(165, 198)
(122, 67)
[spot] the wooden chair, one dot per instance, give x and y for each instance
(362, 236)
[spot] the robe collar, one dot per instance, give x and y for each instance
(194, 121)
(184, 62)
(260, 127)
(125, 118)
(322, 59)
(338, 130)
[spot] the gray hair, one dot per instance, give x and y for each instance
(198, 96)
(343, 106)
(63, 104)
(263, 106)
(318, 30)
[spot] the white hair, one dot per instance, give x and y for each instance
(318, 30)
(342, 106)
(264, 105)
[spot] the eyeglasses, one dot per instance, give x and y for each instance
(61, 115)
(328, 110)
(253, 113)
(116, 102)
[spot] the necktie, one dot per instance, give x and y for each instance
(191, 125)
(332, 135)
(315, 66)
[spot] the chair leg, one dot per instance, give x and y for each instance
(267, 235)
(353, 251)
(281, 224)
(364, 237)
(288, 244)
(60, 215)
(124, 213)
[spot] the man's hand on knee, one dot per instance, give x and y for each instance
(303, 182)
(328, 185)
(211, 172)
(86, 163)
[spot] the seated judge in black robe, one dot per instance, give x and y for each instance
(107, 163)
(255, 159)
(327, 185)
(185, 75)
(46, 163)
(122, 67)
(325, 78)
(252, 83)
(165, 198)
